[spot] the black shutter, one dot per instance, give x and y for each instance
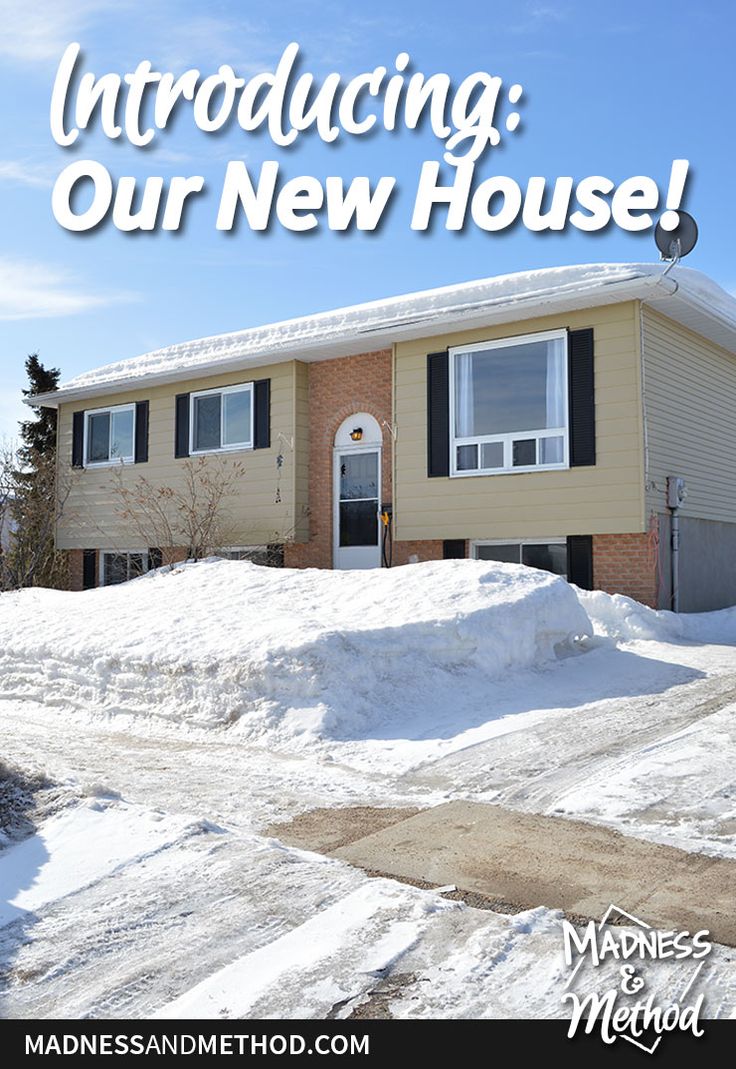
(453, 549)
(141, 432)
(438, 414)
(581, 394)
(89, 569)
(262, 414)
(181, 433)
(580, 561)
(155, 558)
(78, 440)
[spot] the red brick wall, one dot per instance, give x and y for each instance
(337, 388)
(425, 550)
(626, 564)
(75, 558)
(174, 555)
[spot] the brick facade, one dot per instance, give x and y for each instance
(626, 564)
(75, 559)
(338, 388)
(425, 550)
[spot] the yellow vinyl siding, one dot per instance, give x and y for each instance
(90, 517)
(605, 499)
(690, 394)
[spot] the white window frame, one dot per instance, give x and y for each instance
(557, 540)
(121, 553)
(240, 549)
(508, 439)
(111, 461)
(241, 387)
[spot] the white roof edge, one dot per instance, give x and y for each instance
(706, 309)
(343, 332)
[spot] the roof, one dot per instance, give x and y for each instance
(685, 295)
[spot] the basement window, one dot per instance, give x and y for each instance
(270, 556)
(109, 435)
(118, 567)
(508, 405)
(549, 554)
(222, 420)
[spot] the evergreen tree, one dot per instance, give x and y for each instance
(39, 433)
(32, 559)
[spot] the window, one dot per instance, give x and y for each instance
(549, 554)
(358, 498)
(270, 556)
(222, 419)
(109, 435)
(120, 567)
(508, 405)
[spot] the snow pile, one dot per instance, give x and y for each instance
(718, 628)
(288, 654)
(626, 620)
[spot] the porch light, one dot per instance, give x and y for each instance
(356, 434)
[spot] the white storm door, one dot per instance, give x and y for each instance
(357, 494)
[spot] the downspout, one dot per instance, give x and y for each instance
(675, 559)
(670, 286)
(644, 411)
(676, 494)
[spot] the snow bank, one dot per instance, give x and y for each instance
(290, 654)
(626, 620)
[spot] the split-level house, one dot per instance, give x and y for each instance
(534, 418)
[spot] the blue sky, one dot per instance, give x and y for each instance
(616, 90)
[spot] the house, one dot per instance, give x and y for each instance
(531, 417)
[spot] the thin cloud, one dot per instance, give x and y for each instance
(539, 17)
(27, 173)
(194, 41)
(32, 290)
(39, 32)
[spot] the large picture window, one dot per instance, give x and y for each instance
(508, 402)
(109, 435)
(222, 419)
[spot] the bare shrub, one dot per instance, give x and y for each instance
(194, 514)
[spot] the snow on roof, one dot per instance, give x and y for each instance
(691, 297)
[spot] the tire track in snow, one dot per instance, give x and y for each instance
(531, 770)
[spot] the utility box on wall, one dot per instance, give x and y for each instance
(676, 492)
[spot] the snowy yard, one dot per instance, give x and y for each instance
(178, 716)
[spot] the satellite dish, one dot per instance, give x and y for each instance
(674, 244)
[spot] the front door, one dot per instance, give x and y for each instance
(357, 498)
